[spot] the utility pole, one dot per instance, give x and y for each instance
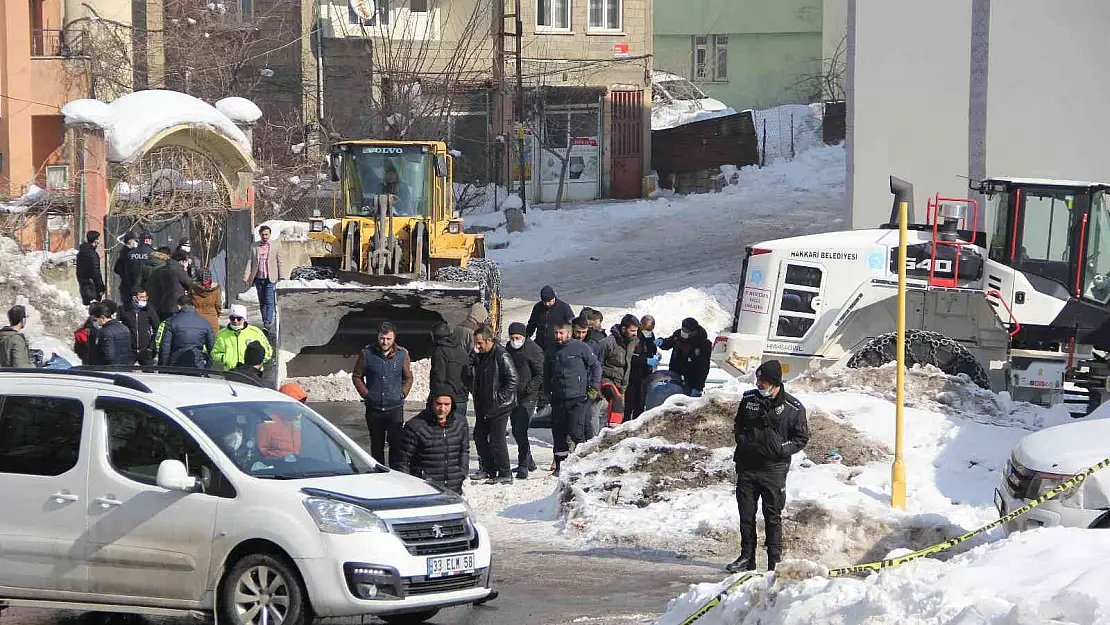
(517, 34)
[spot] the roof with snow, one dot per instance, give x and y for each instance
(132, 121)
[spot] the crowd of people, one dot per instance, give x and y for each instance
(557, 362)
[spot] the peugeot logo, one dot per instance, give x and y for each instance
(437, 530)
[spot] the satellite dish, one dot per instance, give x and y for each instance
(364, 9)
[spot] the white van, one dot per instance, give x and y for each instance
(171, 495)
(1041, 461)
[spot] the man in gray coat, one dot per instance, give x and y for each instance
(15, 352)
(616, 353)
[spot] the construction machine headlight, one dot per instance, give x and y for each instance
(454, 227)
(1069, 499)
(337, 517)
(316, 225)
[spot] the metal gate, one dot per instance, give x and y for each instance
(627, 144)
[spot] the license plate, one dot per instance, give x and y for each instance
(999, 503)
(451, 565)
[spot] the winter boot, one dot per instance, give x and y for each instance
(521, 473)
(743, 563)
(479, 475)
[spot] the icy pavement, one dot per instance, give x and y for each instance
(615, 253)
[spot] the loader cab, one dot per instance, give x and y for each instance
(403, 174)
(1056, 233)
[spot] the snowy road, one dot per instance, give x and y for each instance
(618, 253)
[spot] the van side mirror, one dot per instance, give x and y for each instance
(172, 475)
(333, 165)
(441, 165)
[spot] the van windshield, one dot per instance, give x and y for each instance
(277, 440)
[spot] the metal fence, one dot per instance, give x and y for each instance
(786, 131)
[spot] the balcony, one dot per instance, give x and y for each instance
(54, 43)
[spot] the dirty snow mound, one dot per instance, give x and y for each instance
(711, 306)
(991, 585)
(338, 386)
(53, 314)
(930, 388)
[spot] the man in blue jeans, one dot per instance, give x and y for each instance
(383, 378)
(265, 268)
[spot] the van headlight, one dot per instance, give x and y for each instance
(1070, 499)
(337, 517)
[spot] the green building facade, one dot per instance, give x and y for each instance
(746, 53)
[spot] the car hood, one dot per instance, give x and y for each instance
(371, 487)
(1065, 449)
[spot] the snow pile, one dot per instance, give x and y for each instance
(666, 478)
(711, 306)
(239, 110)
(815, 177)
(33, 195)
(679, 113)
(339, 387)
(52, 313)
(132, 120)
(1032, 578)
(806, 120)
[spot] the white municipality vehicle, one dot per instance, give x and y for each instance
(173, 495)
(1022, 308)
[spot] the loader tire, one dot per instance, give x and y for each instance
(312, 273)
(486, 273)
(922, 348)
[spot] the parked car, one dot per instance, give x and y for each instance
(171, 495)
(1043, 460)
(669, 89)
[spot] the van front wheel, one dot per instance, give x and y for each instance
(262, 589)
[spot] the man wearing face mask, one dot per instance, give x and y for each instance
(644, 361)
(113, 341)
(123, 269)
(770, 427)
(528, 360)
(616, 352)
(142, 321)
(232, 341)
(236, 445)
(690, 355)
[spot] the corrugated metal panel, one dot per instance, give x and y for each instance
(729, 140)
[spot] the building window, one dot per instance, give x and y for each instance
(710, 56)
(720, 57)
(553, 14)
(701, 57)
(246, 7)
(380, 14)
(606, 14)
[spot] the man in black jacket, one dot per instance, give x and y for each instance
(128, 271)
(495, 386)
(452, 371)
(435, 445)
(690, 355)
(113, 341)
(572, 374)
(142, 321)
(174, 283)
(90, 279)
(616, 352)
(770, 427)
(186, 339)
(644, 361)
(528, 360)
(546, 314)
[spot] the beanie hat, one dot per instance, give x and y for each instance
(547, 293)
(145, 235)
(440, 331)
(92, 235)
(294, 390)
(771, 372)
(237, 310)
(254, 354)
(690, 324)
(517, 327)
(130, 236)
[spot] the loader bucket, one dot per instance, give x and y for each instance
(323, 325)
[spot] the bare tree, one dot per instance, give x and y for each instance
(558, 128)
(828, 83)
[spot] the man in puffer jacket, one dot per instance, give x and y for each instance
(435, 445)
(186, 339)
(690, 354)
(770, 427)
(114, 346)
(616, 353)
(231, 342)
(495, 388)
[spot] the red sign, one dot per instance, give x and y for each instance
(620, 50)
(583, 141)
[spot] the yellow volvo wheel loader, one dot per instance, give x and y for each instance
(395, 251)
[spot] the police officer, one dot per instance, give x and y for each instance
(770, 428)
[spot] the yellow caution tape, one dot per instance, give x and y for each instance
(1065, 486)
